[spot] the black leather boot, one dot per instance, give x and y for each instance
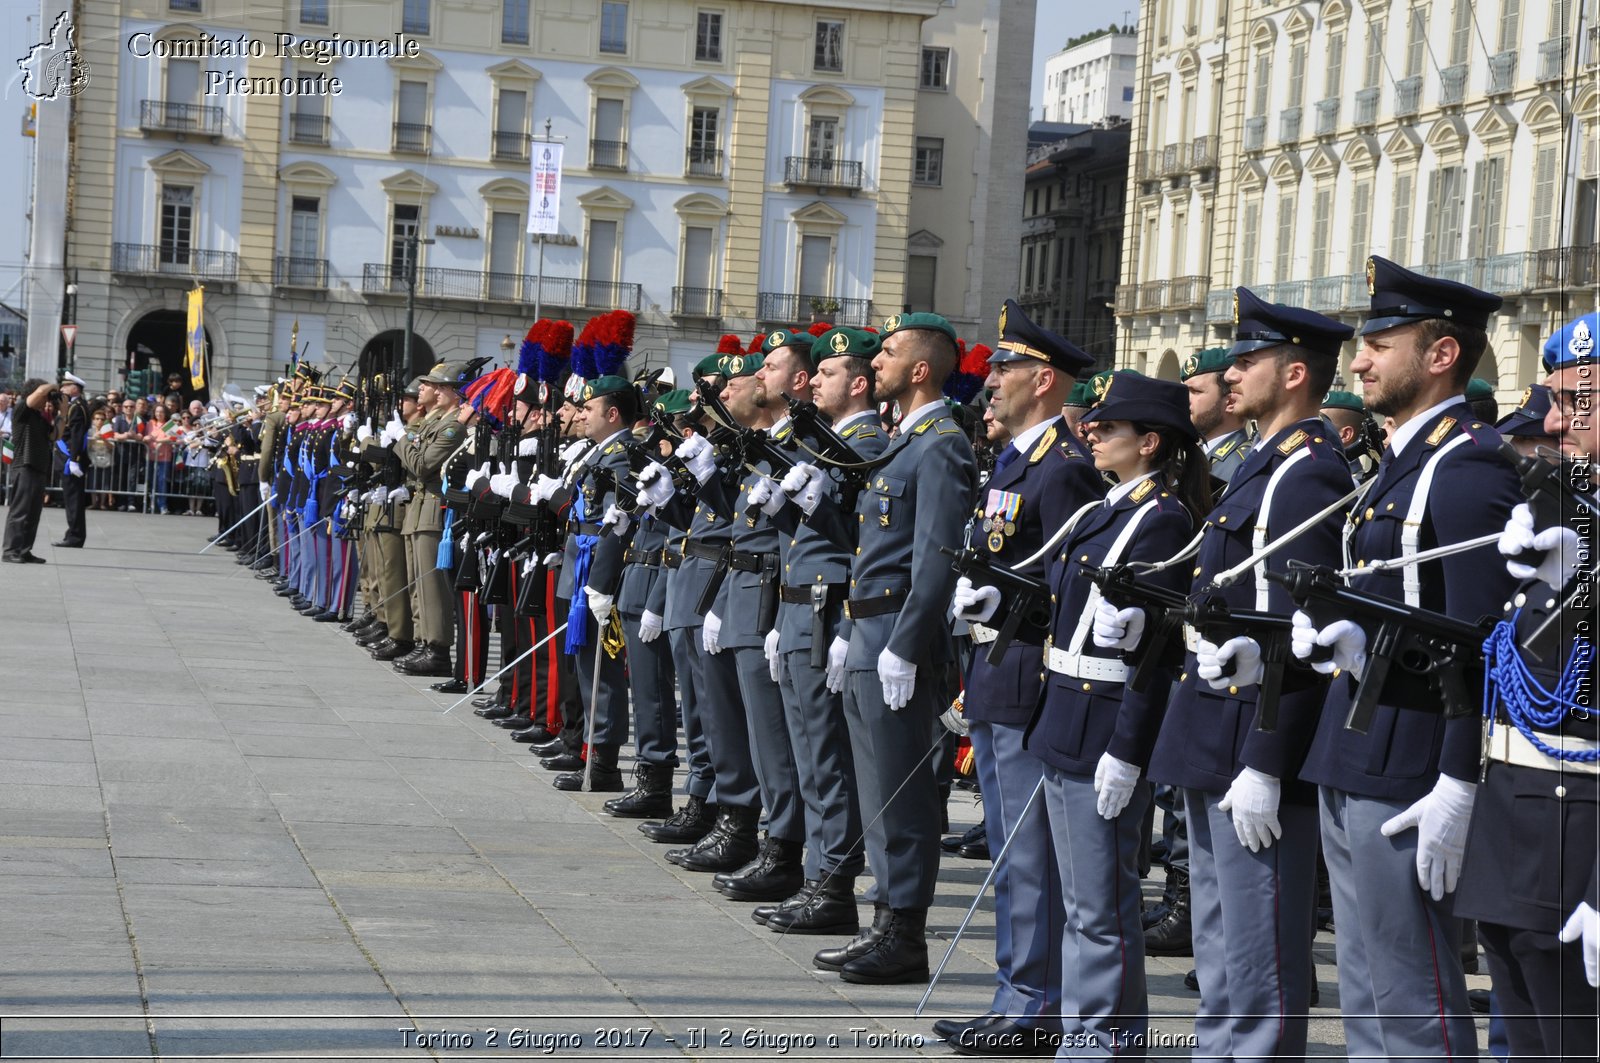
(433, 660)
(536, 735)
(391, 650)
(687, 825)
(566, 760)
(899, 955)
(602, 773)
(860, 945)
(1151, 916)
(373, 635)
(651, 795)
(450, 686)
(762, 913)
(1173, 935)
(772, 879)
(831, 909)
(732, 844)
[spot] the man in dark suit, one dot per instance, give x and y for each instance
(72, 445)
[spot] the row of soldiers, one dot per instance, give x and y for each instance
(1315, 643)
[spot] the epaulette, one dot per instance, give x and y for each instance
(1046, 441)
(944, 425)
(1484, 435)
(1226, 448)
(614, 448)
(862, 429)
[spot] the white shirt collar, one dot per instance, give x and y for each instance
(1118, 491)
(1404, 433)
(1025, 439)
(919, 414)
(779, 425)
(614, 436)
(1212, 444)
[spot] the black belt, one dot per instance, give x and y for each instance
(671, 558)
(749, 561)
(803, 595)
(577, 527)
(706, 551)
(648, 558)
(860, 608)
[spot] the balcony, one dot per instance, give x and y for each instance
(291, 272)
(1144, 165)
(1453, 85)
(1219, 306)
(1407, 97)
(476, 286)
(308, 129)
(1502, 73)
(1187, 293)
(1461, 270)
(1203, 153)
(1328, 116)
(1125, 299)
(821, 172)
(1552, 59)
(1328, 293)
(1565, 268)
(1367, 107)
(413, 138)
(1289, 125)
(1173, 160)
(1508, 274)
(789, 308)
(608, 155)
(1289, 293)
(1151, 297)
(1255, 133)
(512, 147)
(697, 302)
(166, 116)
(703, 162)
(174, 260)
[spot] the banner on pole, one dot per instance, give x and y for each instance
(544, 191)
(195, 349)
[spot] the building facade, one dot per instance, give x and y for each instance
(728, 165)
(1276, 145)
(1091, 79)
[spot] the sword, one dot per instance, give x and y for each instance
(296, 537)
(246, 517)
(529, 653)
(594, 685)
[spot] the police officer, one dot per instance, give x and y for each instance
(1524, 427)
(72, 444)
(1223, 432)
(1043, 476)
(1396, 799)
(1358, 432)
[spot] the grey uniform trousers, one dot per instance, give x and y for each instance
(727, 729)
(826, 770)
(701, 778)
(770, 750)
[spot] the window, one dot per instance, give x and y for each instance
(1585, 206)
(514, 22)
(411, 130)
(183, 5)
(1441, 240)
(1321, 230)
(314, 12)
(823, 139)
(1335, 80)
(505, 254)
(699, 260)
(1180, 243)
(705, 153)
(816, 265)
(609, 146)
(1027, 269)
(1542, 232)
(929, 168)
(1360, 225)
(1560, 18)
(1460, 31)
(305, 239)
(177, 225)
(1250, 246)
(1372, 71)
(416, 16)
(183, 81)
(1297, 74)
(708, 37)
(935, 68)
(1416, 41)
(1488, 207)
(922, 273)
(1510, 17)
(1400, 220)
(1283, 266)
(1258, 104)
(829, 55)
(407, 217)
(511, 124)
(601, 261)
(614, 27)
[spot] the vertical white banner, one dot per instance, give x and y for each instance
(544, 191)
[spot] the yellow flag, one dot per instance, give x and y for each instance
(195, 352)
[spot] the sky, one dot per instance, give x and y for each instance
(1061, 19)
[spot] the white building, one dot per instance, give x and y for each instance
(1091, 79)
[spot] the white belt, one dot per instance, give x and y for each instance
(1509, 746)
(982, 635)
(1082, 666)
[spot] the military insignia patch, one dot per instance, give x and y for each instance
(1191, 366)
(1582, 341)
(997, 541)
(892, 324)
(1223, 450)
(883, 511)
(778, 339)
(1045, 443)
(1289, 445)
(1102, 387)
(1441, 430)
(1003, 319)
(840, 342)
(588, 392)
(1144, 489)
(451, 431)
(735, 366)
(1527, 394)
(1235, 308)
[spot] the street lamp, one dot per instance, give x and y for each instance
(506, 347)
(414, 240)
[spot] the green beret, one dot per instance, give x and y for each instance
(838, 342)
(602, 386)
(1101, 381)
(674, 402)
(1344, 400)
(1081, 395)
(786, 338)
(737, 365)
(1479, 388)
(1210, 360)
(710, 365)
(935, 322)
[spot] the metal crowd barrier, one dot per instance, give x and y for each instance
(133, 478)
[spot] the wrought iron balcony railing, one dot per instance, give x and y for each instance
(608, 155)
(512, 146)
(1407, 96)
(793, 308)
(1255, 133)
(697, 302)
(1453, 85)
(174, 259)
(308, 128)
(1367, 106)
(704, 162)
(413, 138)
(169, 116)
(291, 272)
(439, 283)
(822, 172)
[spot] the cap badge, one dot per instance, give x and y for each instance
(892, 324)
(1192, 366)
(1581, 345)
(1102, 386)
(1003, 310)
(1372, 277)
(1526, 395)
(735, 366)
(778, 339)
(840, 343)
(1235, 308)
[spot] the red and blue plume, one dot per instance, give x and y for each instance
(545, 350)
(731, 344)
(604, 345)
(491, 393)
(819, 327)
(971, 371)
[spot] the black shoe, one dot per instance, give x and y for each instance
(831, 909)
(1315, 999)
(287, 591)
(1191, 981)
(361, 631)
(30, 558)
(308, 609)
(373, 637)
(686, 826)
(433, 661)
(860, 945)
(12, 559)
(1002, 1037)
(327, 616)
(562, 762)
(977, 849)
(731, 844)
(268, 574)
(954, 842)
(1173, 935)
(515, 722)
(389, 650)
(553, 748)
(450, 686)
(1478, 1000)
(601, 781)
(495, 710)
(900, 954)
(761, 913)
(776, 875)
(484, 701)
(67, 544)
(366, 619)
(949, 1029)
(651, 795)
(538, 736)
(1157, 912)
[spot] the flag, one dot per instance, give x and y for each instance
(544, 191)
(195, 353)
(5, 451)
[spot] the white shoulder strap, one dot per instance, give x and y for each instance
(1411, 533)
(1258, 537)
(1119, 546)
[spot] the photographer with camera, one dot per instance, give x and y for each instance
(30, 469)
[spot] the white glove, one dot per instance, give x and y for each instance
(571, 450)
(699, 456)
(769, 646)
(976, 605)
(767, 495)
(649, 627)
(1559, 543)
(380, 495)
(619, 521)
(899, 678)
(1114, 781)
(266, 492)
(1584, 925)
(394, 431)
(804, 485)
(475, 475)
(838, 650)
(552, 560)
(1244, 651)
(544, 487)
(599, 605)
(528, 448)
(1117, 629)
(1441, 816)
(1253, 802)
(364, 433)
(74, 469)
(655, 485)
(349, 420)
(400, 494)
(1348, 641)
(711, 634)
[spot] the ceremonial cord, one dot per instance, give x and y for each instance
(1510, 684)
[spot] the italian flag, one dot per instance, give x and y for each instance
(5, 451)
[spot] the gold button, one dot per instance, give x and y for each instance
(858, 551)
(1337, 672)
(1053, 599)
(1316, 439)
(1361, 564)
(852, 583)
(861, 518)
(1088, 686)
(819, 577)
(1222, 519)
(886, 593)
(1084, 559)
(1183, 677)
(1389, 506)
(1197, 570)
(1233, 689)
(786, 568)
(1369, 513)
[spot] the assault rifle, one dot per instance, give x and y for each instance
(1163, 610)
(1029, 597)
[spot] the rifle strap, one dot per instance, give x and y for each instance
(1119, 546)
(1411, 533)
(1258, 537)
